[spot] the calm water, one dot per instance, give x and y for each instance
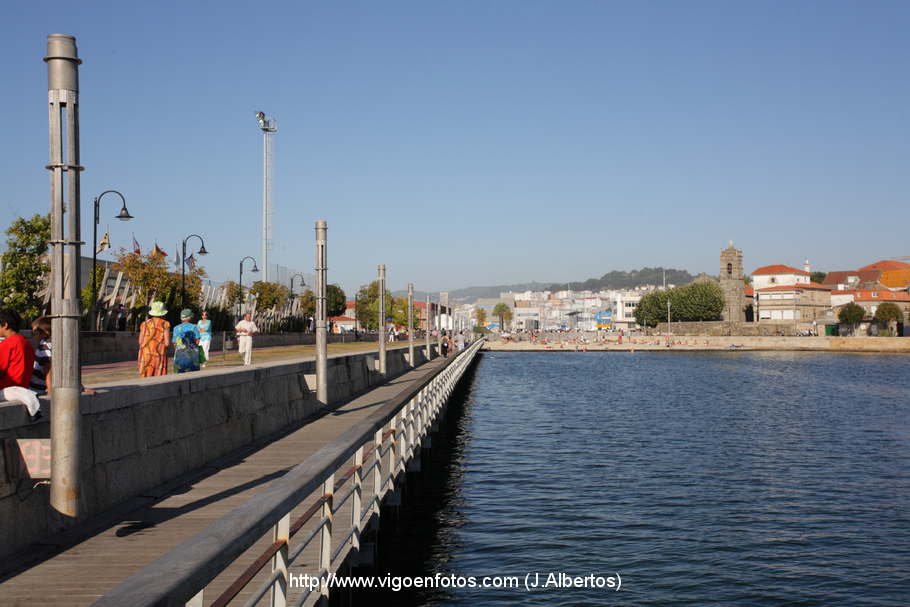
(702, 479)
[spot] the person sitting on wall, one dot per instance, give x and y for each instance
(17, 357)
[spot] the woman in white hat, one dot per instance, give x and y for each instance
(154, 339)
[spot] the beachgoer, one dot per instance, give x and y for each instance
(17, 356)
(205, 335)
(246, 328)
(186, 344)
(41, 373)
(154, 339)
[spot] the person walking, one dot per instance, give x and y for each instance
(154, 339)
(246, 328)
(443, 345)
(205, 335)
(186, 344)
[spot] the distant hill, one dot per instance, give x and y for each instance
(617, 279)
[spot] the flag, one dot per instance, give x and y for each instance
(158, 251)
(105, 243)
(191, 262)
(177, 258)
(136, 248)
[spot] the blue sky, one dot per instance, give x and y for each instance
(468, 143)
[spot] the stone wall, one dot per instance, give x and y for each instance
(137, 434)
(117, 346)
(721, 328)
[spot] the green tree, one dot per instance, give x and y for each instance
(480, 315)
(25, 264)
(695, 302)
(652, 308)
(888, 315)
(818, 277)
(400, 312)
(335, 300)
(308, 304)
(368, 305)
(269, 294)
(503, 313)
(851, 314)
(232, 298)
(87, 291)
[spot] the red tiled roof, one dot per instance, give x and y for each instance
(779, 269)
(839, 277)
(350, 304)
(750, 292)
(886, 264)
(799, 287)
(866, 295)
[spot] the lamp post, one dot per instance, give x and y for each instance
(124, 215)
(302, 283)
(255, 269)
(202, 251)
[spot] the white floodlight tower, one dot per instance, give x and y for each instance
(267, 126)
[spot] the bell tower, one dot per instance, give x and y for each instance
(732, 285)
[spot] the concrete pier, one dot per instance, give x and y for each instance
(81, 564)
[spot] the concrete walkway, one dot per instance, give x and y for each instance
(82, 564)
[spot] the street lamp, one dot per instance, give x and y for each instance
(302, 283)
(255, 269)
(123, 215)
(202, 251)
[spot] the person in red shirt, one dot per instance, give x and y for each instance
(17, 357)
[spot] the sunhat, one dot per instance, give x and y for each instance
(157, 309)
(186, 313)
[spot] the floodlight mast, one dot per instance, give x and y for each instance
(268, 126)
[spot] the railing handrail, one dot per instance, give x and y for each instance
(177, 576)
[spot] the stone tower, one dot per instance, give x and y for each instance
(732, 285)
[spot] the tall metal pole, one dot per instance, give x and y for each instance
(382, 354)
(63, 114)
(322, 388)
(265, 204)
(429, 326)
(411, 323)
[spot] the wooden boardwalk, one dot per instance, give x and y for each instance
(83, 572)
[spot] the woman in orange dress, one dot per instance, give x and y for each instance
(154, 339)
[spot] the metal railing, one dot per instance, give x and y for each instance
(380, 447)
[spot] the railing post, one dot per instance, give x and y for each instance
(356, 498)
(397, 438)
(378, 492)
(325, 536)
(281, 531)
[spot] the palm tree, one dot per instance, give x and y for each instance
(502, 311)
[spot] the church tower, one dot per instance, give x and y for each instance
(732, 285)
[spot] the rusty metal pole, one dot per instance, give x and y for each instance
(66, 310)
(381, 317)
(411, 324)
(322, 387)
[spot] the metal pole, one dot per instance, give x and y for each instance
(322, 388)
(94, 319)
(411, 324)
(63, 114)
(265, 205)
(382, 319)
(183, 274)
(429, 324)
(240, 299)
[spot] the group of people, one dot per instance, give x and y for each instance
(449, 343)
(191, 341)
(25, 369)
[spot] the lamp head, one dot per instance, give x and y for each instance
(124, 215)
(260, 117)
(202, 250)
(255, 268)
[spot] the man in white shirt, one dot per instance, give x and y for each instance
(245, 330)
